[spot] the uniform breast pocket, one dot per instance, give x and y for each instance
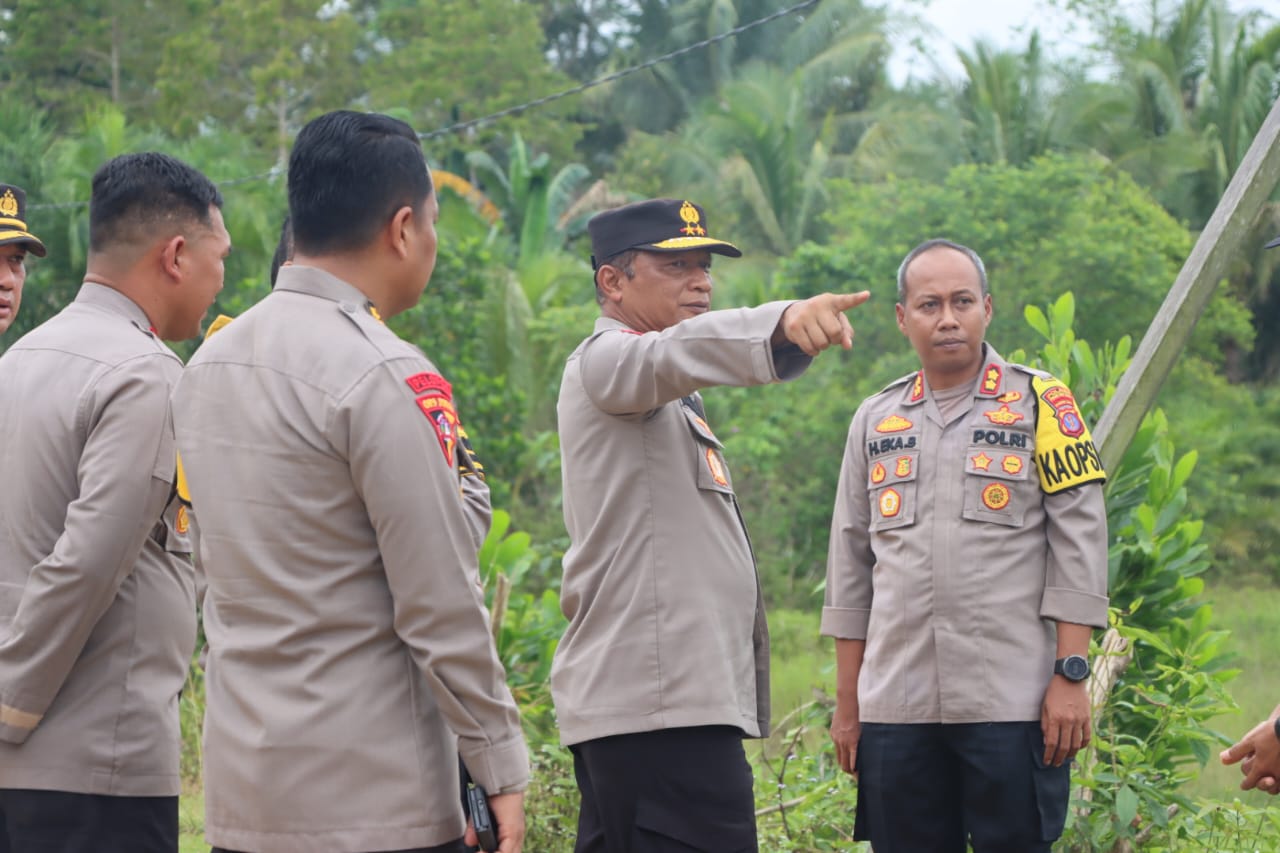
(997, 488)
(713, 473)
(891, 486)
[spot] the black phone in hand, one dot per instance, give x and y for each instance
(482, 819)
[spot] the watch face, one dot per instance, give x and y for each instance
(1075, 668)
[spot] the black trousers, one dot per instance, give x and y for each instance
(451, 847)
(64, 822)
(931, 788)
(685, 790)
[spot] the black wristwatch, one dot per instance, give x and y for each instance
(1072, 668)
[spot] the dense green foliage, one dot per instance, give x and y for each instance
(1087, 175)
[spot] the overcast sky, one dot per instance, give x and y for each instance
(1006, 23)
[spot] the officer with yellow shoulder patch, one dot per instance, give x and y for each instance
(967, 569)
(664, 666)
(350, 661)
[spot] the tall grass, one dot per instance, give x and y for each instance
(1250, 610)
(803, 667)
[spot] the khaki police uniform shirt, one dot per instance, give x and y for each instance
(348, 641)
(956, 547)
(97, 592)
(666, 623)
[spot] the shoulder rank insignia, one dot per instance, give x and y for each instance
(990, 380)
(1004, 416)
(894, 423)
(917, 388)
(1065, 453)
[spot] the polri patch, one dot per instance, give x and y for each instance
(878, 473)
(981, 462)
(1011, 464)
(890, 503)
(1064, 407)
(903, 467)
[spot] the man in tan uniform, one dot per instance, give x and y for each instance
(473, 481)
(967, 566)
(15, 242)
(97, 591)
(349, 662)
(664, 666)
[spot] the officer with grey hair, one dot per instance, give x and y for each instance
(664, 667)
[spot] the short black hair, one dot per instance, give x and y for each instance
(134, 194)
(284, 249)
(349, 172)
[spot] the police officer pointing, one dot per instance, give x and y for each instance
(664, 666)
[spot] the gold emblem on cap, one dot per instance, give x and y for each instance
(9, 204)
(692, 220)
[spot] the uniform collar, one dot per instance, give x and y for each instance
(113, 301)
(605, 324)
(316, 282)
(989, 383)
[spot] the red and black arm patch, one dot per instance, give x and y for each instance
(434, 397)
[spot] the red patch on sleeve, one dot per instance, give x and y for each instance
(444, 420)
(421, 383)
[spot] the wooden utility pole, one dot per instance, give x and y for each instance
(1167, 336)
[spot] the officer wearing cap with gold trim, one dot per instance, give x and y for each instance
(664, 666)
(1258, 751)
(15, 242)
(967, 569)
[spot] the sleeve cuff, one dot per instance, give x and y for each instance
(845, 623)
(1070, 605)
(501, 768)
